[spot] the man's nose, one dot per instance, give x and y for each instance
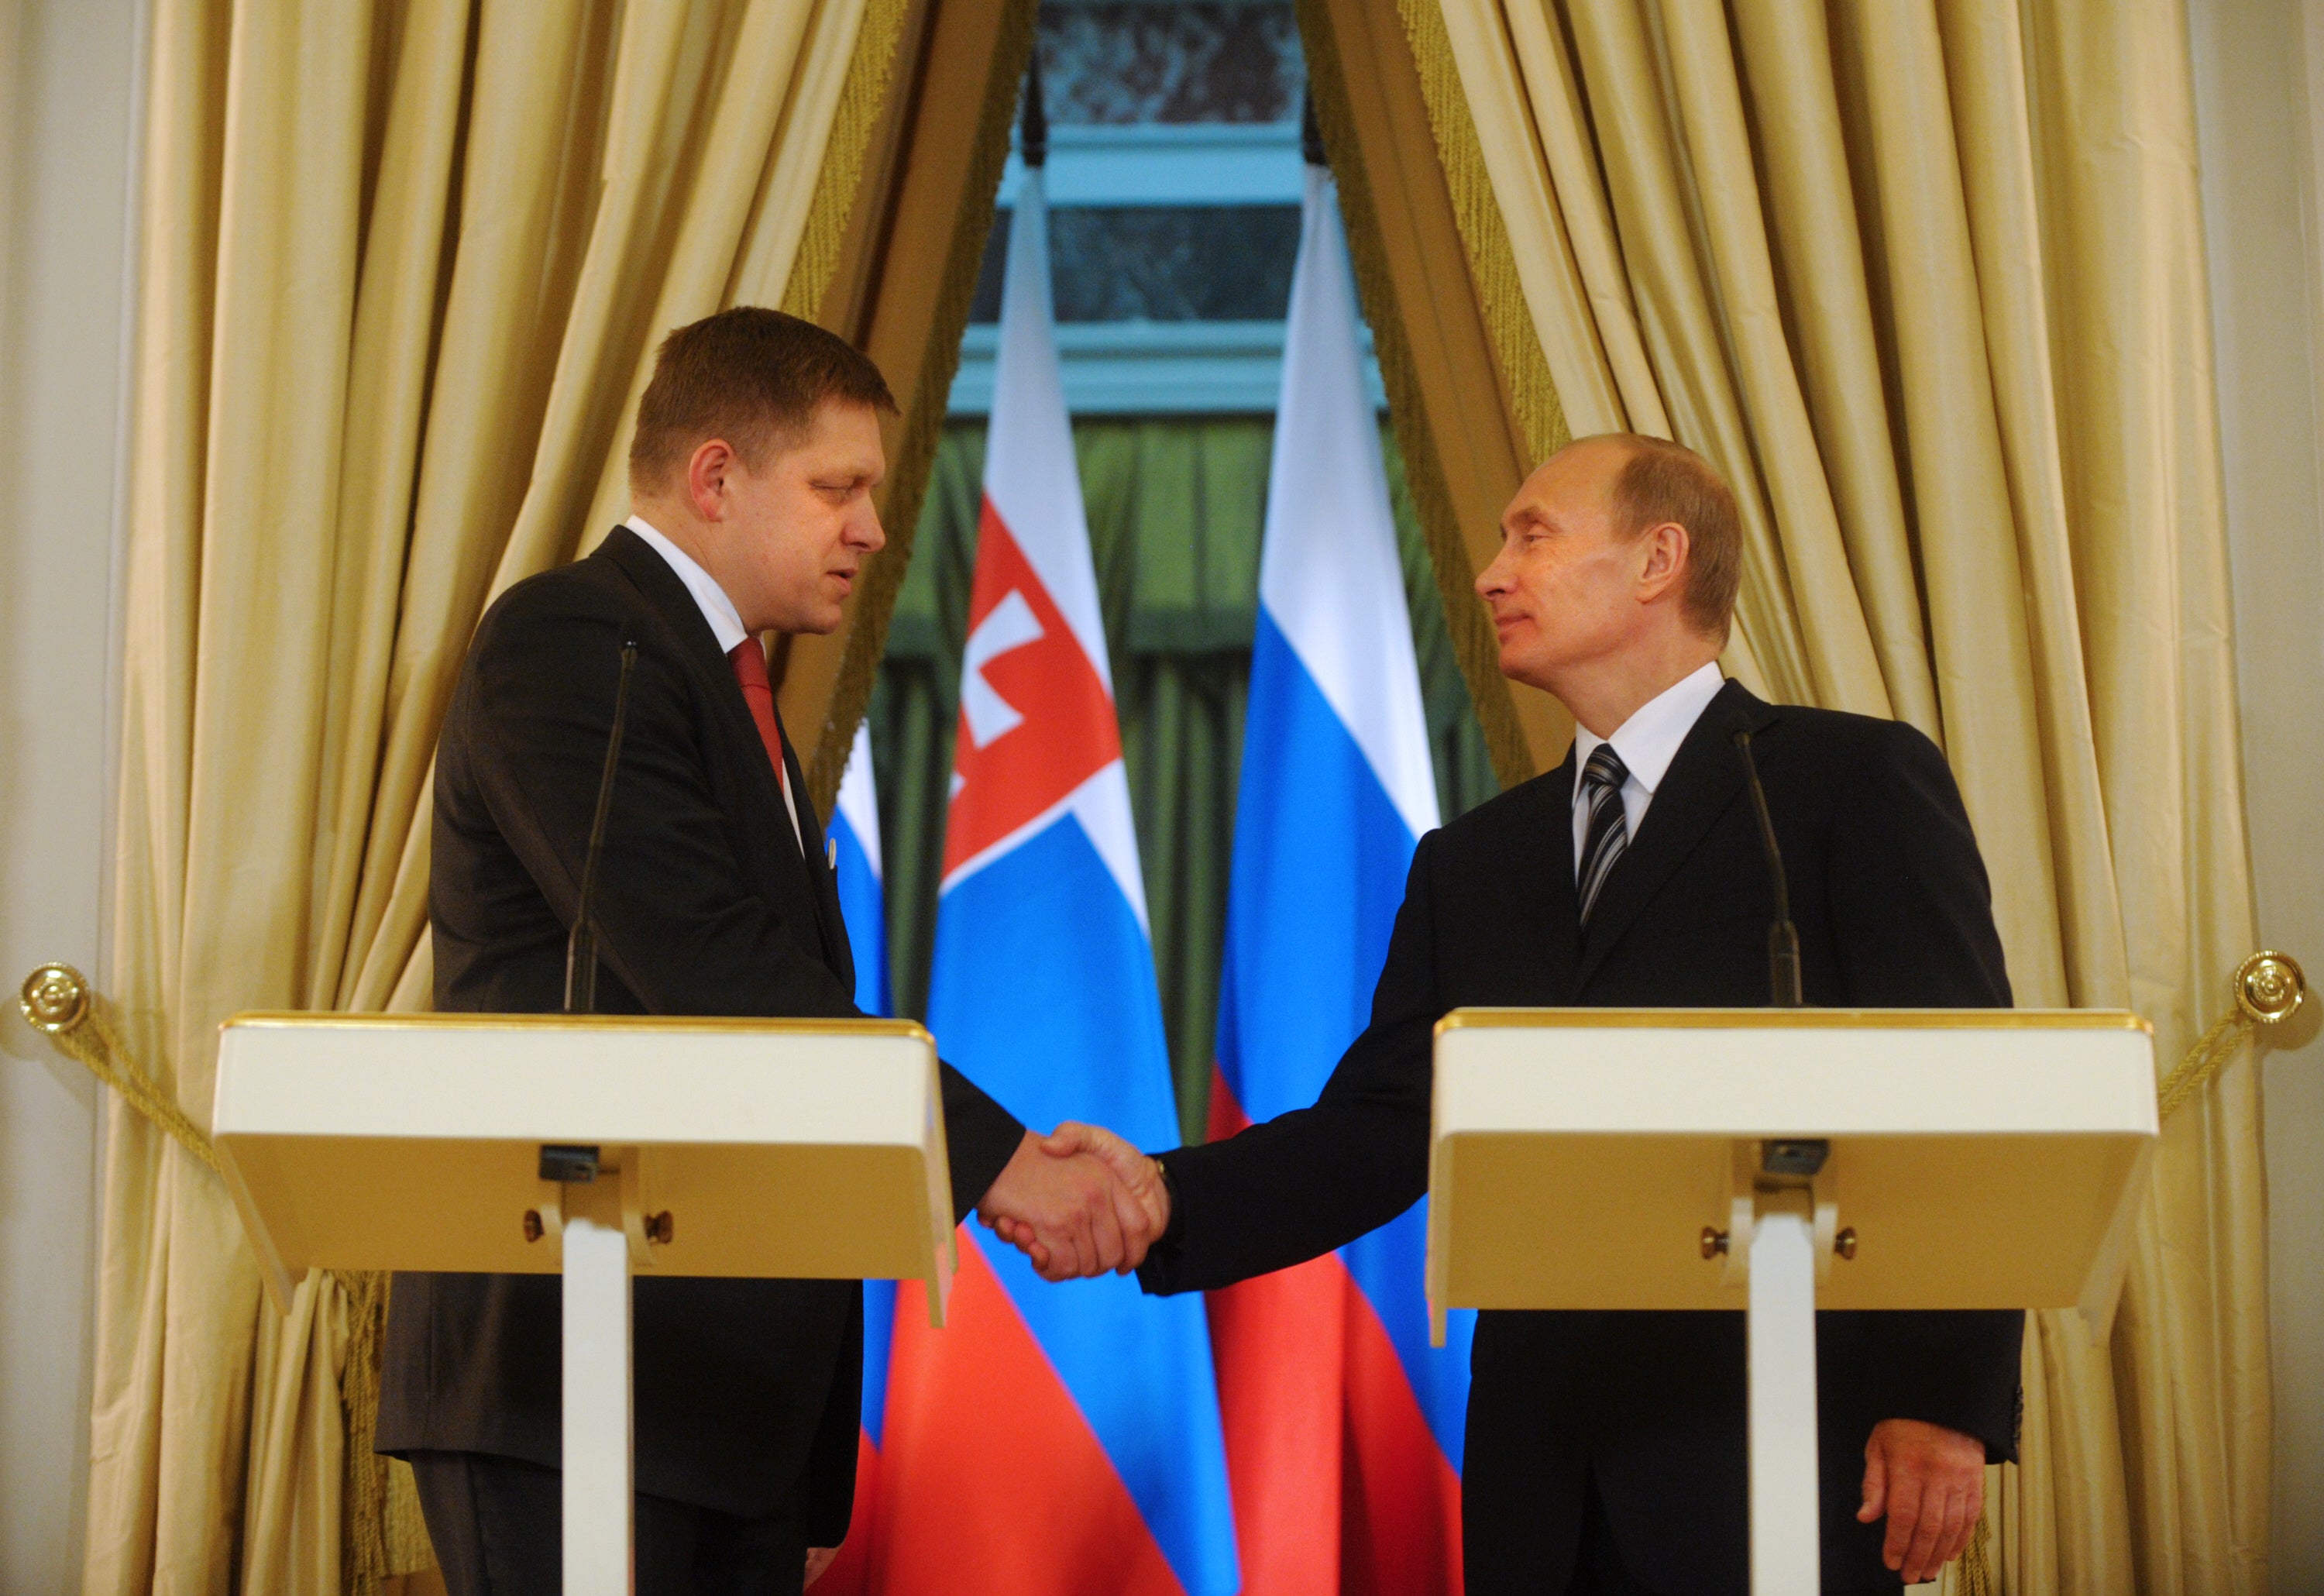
(870, 534)
(1488, 580)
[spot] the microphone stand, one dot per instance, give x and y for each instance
(581, 944)
(1783, 936)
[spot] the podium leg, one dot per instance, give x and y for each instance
(598, 1501)
(1786, 1553)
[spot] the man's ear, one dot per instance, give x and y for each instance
(1664, 571)
(706, 470)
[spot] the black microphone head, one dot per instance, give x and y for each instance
(1033, 122)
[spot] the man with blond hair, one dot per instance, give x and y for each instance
(1605, 1452)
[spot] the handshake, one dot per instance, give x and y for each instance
(1078, 1201)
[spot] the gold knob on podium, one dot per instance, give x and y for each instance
(54, 998)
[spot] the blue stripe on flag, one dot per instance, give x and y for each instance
(878, 1336)
(1390, 1267)
(1044, 993)
(1320, 861)
(865, 911)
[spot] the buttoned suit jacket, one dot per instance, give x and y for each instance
(1894, 909)
(746, 1390)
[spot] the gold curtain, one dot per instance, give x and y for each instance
(404, 264)
(1924, 279)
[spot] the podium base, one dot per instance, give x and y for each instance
(599, 1488)
(1786, 1534)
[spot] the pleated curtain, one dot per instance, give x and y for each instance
(404, 264)
(1925, 279)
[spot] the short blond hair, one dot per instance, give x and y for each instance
(1663, 481)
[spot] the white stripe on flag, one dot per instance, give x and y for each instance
(1331, 575)
(858, 803)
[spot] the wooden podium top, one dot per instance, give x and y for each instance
(1984, 1158)
(777, 1147)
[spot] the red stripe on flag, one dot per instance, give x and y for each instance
(850, 1573)
(991, 1480)
(1339, 1484)
(1278, 1342)
(1068, 732)
(1403, 1497)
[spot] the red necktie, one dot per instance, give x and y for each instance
(750, 662)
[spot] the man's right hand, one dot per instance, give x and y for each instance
(1069, 1211)
(1140, 1206)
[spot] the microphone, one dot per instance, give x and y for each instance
(581, 944)
(1783, 936)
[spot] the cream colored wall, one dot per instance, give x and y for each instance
(2259, 87)
(67, 114)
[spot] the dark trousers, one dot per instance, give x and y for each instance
(1598, 1566)
(496, 1522)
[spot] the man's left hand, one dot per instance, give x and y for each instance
(1931, 1483)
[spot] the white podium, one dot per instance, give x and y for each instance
(1780, 1160)
(768, 1149)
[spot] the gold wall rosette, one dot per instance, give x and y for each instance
(57, 1000)
(2269, 988)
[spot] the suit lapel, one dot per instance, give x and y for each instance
(1706, 776)
(662, 589)
(821, 884)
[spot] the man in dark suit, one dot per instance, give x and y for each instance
(1606, 1450)
(756, 453)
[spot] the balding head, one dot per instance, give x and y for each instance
(1653, 481)
(1618, 565)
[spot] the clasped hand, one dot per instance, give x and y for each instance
(1078, 1203)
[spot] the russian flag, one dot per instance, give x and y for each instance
(1343, 1425)
(1051, 1439)
(853, 835)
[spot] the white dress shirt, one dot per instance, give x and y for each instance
(1647, 742)
(725, 624)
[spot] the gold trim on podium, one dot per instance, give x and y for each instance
(1800, 1019)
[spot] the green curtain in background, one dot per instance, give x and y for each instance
(1175, 509)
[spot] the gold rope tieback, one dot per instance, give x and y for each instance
(2268, 989)
(56, 999)
(381, 1528)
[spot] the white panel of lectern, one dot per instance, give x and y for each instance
(1779, 1161)
(777, 1149)
(598, 1147)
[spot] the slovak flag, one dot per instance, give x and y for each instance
(1051, 1440)
(1343, 1425)
(854, 837)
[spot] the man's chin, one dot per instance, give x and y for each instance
(1523, 671)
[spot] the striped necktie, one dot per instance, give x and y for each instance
(1607, 832)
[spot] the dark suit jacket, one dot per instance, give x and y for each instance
(1893, 911)
(746, 1389)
